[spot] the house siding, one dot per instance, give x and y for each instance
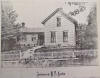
(66, 25)
(28, 41)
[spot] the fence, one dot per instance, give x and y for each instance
(65, 54)
(10, 55)
(15, 55)
(53, 55)
(92, 53)
(50, 59)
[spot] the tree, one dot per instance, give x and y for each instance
(8, 20)
(91, 30)
(9, 27)
(87, 34)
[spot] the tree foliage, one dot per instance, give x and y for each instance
(9, 27)
(8, 20)
(91, 30)
(90, 35)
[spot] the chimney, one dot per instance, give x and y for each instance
(23, 24)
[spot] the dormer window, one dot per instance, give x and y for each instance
(58, 21)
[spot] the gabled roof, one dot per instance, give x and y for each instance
(63, 13)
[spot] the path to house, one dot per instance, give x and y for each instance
(28, 53)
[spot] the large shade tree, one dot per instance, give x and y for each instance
(9, 27)
(91, 31)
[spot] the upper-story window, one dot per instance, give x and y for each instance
(58, 21)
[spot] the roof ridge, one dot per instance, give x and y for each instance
(63, 13)
(58, 9)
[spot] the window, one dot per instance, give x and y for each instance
(53, 37)
(58, 21)
(33, 38)
(65, 36)
(18, 38)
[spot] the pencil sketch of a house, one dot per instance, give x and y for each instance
(61, 41)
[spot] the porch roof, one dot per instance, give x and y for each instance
(32, 30)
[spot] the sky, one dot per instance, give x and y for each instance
(33, 12)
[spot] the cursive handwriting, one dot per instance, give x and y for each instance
(51, 74)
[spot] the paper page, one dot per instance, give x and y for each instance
(49, 39)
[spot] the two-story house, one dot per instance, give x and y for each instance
(60, 29)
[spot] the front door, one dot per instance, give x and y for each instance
(41, 39)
